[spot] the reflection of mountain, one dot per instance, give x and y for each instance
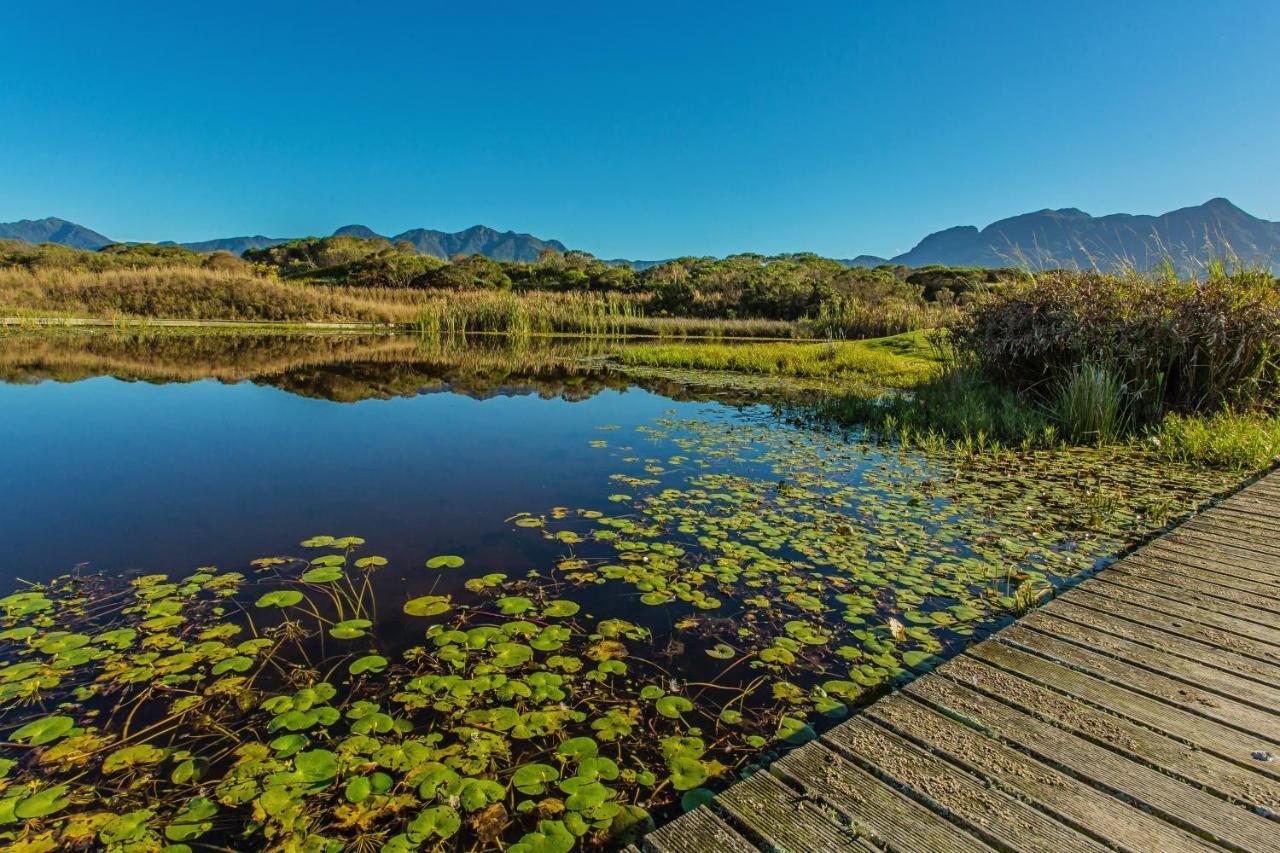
(336, 367)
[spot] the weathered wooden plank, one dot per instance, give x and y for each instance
(1157, 661)
(1213, 635)
(871, 806)
(1190, 593)
(1264, 595)
(1174, 643)
(784, 818)
(1235, 535)
(986, 812)
(1224, 741)
(1255, 507)
(1174, 801)
(1186, 537)
(1239, 526)
(1227, 557)
(1100, 586)
(1133, 741)
(1178, 687)
(1246, 520)
(1218, 562)
(1107, 818)
(699, 831)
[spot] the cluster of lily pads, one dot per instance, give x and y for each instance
(760, 579)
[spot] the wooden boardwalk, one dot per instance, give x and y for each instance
(1139, 710)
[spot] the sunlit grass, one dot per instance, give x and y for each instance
(1228, 440)
(900, 361)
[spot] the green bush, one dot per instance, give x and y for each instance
(1174, 345)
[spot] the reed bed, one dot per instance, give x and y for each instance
(191, 293)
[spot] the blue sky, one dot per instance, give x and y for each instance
(636, 130)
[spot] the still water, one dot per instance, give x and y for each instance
(579, 599)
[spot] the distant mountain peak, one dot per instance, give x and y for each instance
(51, 229)
(1189, 237)
(362, 231)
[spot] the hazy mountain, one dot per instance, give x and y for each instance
(53, 230)
(478, 240)
(1189, 237)
(360, 231)
(234, 245)
(868, 261)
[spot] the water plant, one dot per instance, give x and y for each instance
(744, 583)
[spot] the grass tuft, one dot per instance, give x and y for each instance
(1228, 440)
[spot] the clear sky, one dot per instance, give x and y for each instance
(640, 130)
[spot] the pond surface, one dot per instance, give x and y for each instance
(471, 594)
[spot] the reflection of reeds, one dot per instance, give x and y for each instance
(187, 356)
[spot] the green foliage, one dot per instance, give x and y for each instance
(1090, 405)
(902, 361)
(1228, 440)
(1186, 345)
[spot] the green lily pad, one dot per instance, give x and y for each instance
(673, 706)
(447, 561)
(280, 598)
(368, 663)
(350, 629)
(428, 605)
(323, 574)
(44, 730)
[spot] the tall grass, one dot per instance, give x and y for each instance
(455, 313)
(1090, 405)
(846, 317)
(1185, 345)
(193, 293)
(1236, 441)
(903, 361)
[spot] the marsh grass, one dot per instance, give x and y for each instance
(1174, 344)
(1228, 440)
(193, 293)
(852, 318)
(902, 361)
(1090, 405)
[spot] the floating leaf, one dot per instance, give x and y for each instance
(350, 629)
(687, 772)
(696, 797)
(561, 608)
(721, 651)
(532, 779)
(44, 730)
(447, 561)
(368, 663)
(673, 706)
(428, 605)
(280, 598)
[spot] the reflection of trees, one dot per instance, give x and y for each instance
(338, 367)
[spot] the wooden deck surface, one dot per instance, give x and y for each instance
(1139, 710)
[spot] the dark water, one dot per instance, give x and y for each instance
(111, 472)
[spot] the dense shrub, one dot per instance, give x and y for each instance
(1174, 345)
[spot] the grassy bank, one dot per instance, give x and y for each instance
(1188, 369)
(900, 361)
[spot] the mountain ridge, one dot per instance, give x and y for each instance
(1188, 237)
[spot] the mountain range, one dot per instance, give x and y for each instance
(1068, 237)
